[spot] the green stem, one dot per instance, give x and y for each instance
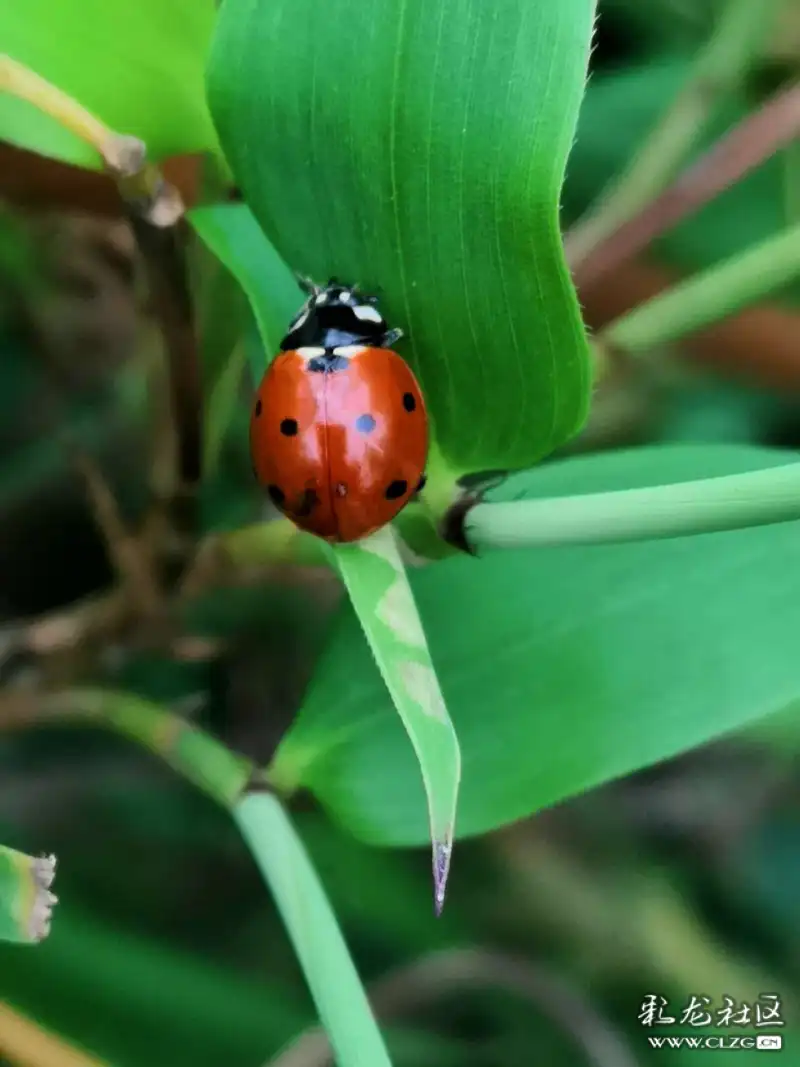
(25, 898)
(732, 502)
(332, 978)
(265, 826)
(718, 70)
(191, 752)
(710, 296)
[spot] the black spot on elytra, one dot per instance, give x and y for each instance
(365, 424)
(421, 483)
(327, 364)
(258, 408)
(288, 427)
(276, 495)
(306, 502)
(396, 489)
(409, 403)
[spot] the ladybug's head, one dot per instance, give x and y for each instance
(337, 315)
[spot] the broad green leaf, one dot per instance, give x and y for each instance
(137, 66)
(565, 667)
(417, 148)
(341, 1001)
(375, 578)
(26, 902)
(231, 232)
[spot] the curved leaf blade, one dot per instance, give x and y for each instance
(231, 232)
(376, 580)
(426, 162)
(137, 67)
(567, 667)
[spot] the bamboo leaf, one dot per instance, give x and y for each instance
(426, 163)
(565, 667)
(376, 580)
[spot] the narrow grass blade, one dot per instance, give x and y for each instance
(331, 975)
(26, 902)
(231, 232)
(373, 572)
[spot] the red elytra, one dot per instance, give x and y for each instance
(339, 431)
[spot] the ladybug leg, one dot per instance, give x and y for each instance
(390, 337)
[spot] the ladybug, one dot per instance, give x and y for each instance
(339, 431)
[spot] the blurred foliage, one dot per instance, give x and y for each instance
(680, 879)
(138, 67)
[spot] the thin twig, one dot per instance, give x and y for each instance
(124, 157)
(444, 974)
(25, 1043)
(757, 137)
(189, 750)
(163, 250)
(134, 569)
(719, 68)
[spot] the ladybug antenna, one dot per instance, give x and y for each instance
(309, 287)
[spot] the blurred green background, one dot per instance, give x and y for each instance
(166, 949)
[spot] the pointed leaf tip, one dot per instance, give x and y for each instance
(442, 851)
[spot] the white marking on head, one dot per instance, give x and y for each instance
(367, 313)
(349, 350)
(301, 318)
(310, 352)
(321, 298)
(344, 296)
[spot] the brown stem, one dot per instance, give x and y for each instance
(128, 554)
(163, 251)
(757, 137)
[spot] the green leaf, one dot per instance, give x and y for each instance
(342, 1003)
(566, 667)
(376, 580)
(227, 327)
(231, 232)
(25, 898)
(137, 66)
(417, 148)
